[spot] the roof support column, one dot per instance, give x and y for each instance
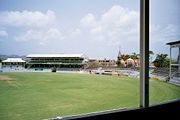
(170, 75)
(179, 62)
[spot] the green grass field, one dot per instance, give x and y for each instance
(36, 96)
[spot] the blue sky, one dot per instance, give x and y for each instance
(96, 28)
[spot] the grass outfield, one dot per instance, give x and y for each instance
(35, 96)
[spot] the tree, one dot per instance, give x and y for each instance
(126, 57)
(134, 56)
(151, 52)
(161, 60)
(150, 55)
(118, 62)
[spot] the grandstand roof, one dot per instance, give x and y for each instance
(13, 60)
(55, 55)
(173, 43)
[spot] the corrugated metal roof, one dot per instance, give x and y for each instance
(173, 43)
(55, 55)
(13, 60)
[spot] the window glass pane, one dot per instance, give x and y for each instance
(164, 65)
(79, 56)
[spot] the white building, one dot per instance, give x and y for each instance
(13, 63)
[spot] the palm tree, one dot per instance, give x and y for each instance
(161, 60)
(134, 56)
(150, 57)
(151, 52)
(127, 57)
(123, 56)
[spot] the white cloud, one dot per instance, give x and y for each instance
(89, 20)
(52, 35)
(164, 34)
(43, 37)
(117, 26)
(29, 19)
(3, 34)
(160, 35)
(31, 26)
(120, 17)
(30, 35)
(76, 32)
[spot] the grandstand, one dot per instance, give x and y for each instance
(13, 64)
(59, 61)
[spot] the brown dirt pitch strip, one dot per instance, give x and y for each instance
(4, 77)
